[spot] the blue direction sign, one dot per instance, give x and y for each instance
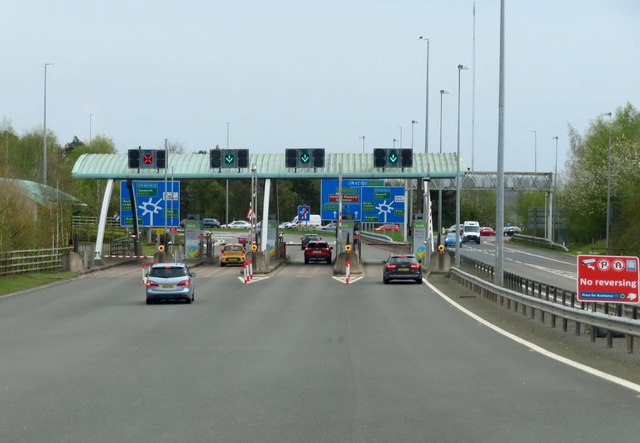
(153, 201)
(367, 200)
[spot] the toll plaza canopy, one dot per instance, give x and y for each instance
(196, 166)
(440, 168)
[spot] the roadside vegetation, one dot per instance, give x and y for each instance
(581, 203)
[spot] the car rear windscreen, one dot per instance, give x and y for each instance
(168, 272)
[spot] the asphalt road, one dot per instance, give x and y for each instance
(298, 356)
(554, 268)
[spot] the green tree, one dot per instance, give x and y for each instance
(584, 197)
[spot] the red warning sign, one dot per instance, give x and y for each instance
(607, 279)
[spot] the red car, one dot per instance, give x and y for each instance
(387, 227)
(317, 250)
(487, 232)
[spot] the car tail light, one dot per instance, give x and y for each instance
(391, 266)
(184, 283)
(221, 253)
(415, 266)
(151, 283)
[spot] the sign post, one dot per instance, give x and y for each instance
(607, 279)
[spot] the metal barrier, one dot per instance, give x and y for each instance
(530, 296)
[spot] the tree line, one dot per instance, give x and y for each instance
(601, 173)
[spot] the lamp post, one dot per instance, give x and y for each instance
(535, 151)
(458, 181)
(44, 148)
(426, 111)
(363, 137)
(553, 193)
(394, 142)
(608, 224)
(90, 118)
(442, 93)
(413, 122)
(400, 136)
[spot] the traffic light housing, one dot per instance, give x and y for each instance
(147, 158)
(243, 158)
(318, 158)
(392, 158)
(379, 158)
(215, 157)
(407, 158)
(134, 158)
(290, 158)
(161, 159)
(304, 158)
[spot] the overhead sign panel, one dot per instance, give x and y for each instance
(607, 279)
(153, 201)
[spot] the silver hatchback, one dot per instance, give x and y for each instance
(170, 281)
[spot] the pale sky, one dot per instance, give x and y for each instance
(286, 73)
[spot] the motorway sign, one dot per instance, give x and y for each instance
(153, 201)
(366, 200)
(303, 213)
(607, 279)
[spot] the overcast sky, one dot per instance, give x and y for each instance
(285, 73)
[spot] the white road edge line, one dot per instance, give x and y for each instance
(589, 370)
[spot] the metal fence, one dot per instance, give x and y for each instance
(32, 260)
(546, 301)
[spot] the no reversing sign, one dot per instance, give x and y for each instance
(607, 279)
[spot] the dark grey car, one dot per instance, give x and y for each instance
(402, 267)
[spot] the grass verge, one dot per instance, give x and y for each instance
(15, 283)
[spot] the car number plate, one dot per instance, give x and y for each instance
(167, 286)
(317, 252)
(403, 269)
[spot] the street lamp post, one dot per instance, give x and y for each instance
(535, 151)
(553, 193)
(608, 224)
(44, 148)
(90, 118)
(394, 142)
(458, 181)
(426, 112)
(442, 93)
(400, 136)
(413, 122)
(363, 137)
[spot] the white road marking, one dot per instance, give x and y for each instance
(589, 370)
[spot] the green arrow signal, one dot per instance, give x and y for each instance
(229, 159)
(304, 158)
(393, 158)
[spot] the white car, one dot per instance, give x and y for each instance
(238, 224)
(331, 226)
(285, 225)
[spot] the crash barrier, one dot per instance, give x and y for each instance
(556, 303)
(529, 239)
(374, 239)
